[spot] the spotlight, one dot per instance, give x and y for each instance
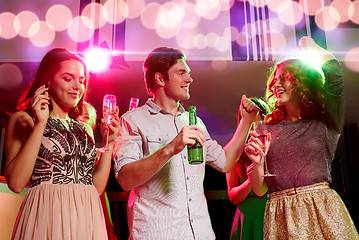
(97, 59)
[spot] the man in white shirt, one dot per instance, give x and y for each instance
(167, 199)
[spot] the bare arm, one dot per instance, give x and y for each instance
(137, 173)
(235, 146)
(23, 141)
(237, 192)
(103, 167)
(256, 154)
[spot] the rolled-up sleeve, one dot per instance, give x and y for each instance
(128, 147)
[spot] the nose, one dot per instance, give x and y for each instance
(189, 79)
(77, 85)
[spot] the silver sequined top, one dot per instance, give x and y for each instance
(301, 152)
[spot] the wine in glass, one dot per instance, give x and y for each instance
(108, 112)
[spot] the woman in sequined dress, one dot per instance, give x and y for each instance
(46, 145)
(303, 131)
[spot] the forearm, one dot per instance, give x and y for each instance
(20, 164)
(137, 173)
(235, 146)
(102, 171)
(258, 186)
(239, 193)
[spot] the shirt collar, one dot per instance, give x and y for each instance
(155, 109)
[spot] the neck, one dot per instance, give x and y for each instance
(167, 104)
(292, 114)
(59, 112)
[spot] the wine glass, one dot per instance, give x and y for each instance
(263, 137)
(108, 112)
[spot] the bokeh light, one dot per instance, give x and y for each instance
(135, 8)
(219, 64)
(352, 59)
(96, 12)
(117, 11)
(26, 20)
(353, 12)
(10, 76)
(290, 13)
(59, 17)
(149, 15)
(200, 41)
(81, 29)
(41, 34)
(258, 3)
(311, 7)
(278, 42)
(207, 9)
(327, 18)
(97, 59)
(275, 4)
(342, 6)
(10, 25)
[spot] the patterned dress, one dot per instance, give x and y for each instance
(62, 202)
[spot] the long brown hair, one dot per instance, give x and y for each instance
(49, 66)
(308, 85)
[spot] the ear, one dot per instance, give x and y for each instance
(159, 79)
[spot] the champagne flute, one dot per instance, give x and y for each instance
(108, 112)
(263, 137)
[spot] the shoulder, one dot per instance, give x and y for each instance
(87, 128)
(21, 118)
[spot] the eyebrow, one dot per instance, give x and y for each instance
(73, 76)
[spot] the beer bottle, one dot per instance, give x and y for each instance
(195, 152)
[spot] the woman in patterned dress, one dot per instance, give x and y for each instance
(46, 145)
(304, 128)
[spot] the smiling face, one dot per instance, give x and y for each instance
(68, 85)
(283, 88)
(179, 79)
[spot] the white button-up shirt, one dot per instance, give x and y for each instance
(172, 204)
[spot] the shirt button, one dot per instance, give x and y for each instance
(190, 199)
(187, 178)
(184, 156)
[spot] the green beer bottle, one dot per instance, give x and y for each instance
(195, 152)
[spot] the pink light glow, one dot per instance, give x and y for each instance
(149, 15)
(311, 7)
(352, 59)
(326, 18)
(10, 76)
(41, 34)
(59, 17)
(96, 12)
(353, 12)
(290, 13)
(81, 29)
(26, 19)
(117, 11)
(135, 8)
(10, 25)
(342, 7)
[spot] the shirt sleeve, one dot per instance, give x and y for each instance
(128, 146)
(214, 153)
(334, 95)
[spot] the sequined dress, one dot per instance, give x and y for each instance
(62, 202)
(301, 205)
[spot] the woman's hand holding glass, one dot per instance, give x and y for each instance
(257, 149)
(109, 123)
